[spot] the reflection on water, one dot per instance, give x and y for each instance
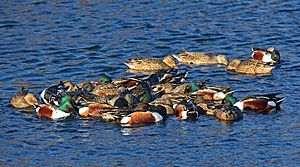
(44, 42)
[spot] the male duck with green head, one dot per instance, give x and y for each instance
(271, 55)
(104, 79)
(65, 109)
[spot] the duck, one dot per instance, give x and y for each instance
(261, 104)
(186, 110)
(67, 85)
(199, 58)
(187, 88)
(140, 117)
(23, 99)
(51, 112)
(163, 88)
(51, 94)
(207, 107)
(153, 115)
(210, 107)
(232, 113)
(176, 98)
(271, 55)
(144, 72)
(66, 103)
(92, 109)
(213, 93)
(250, 67)
(105, 111)
(166, 103)
(104, 79)
(142, 93)
(65, 108)
(131, 82)
(89, 86)
(152, 64)
(108, 90)
(119, 102)
(173, 76)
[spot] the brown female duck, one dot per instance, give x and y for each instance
(152, 64)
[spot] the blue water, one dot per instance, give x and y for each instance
(43, 42)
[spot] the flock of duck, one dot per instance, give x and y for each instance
(151, 98)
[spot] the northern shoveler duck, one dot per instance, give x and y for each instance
(67, 85)
(23, 99)
(232, 113)
(51, 94)
(164, 88)
(260, 103)
(151, 79)
(251, 67)
(92, 109)
(229, 100)
(104, 79)
(207, 107)
(66, 108)
(145, 72)
(173, 76)
(271, 55)
(187, 110)
(155, 114)
(51, 112)
(189, 87)
(131, 82)
(181, 89)
(108, 90)
(128, 83)
(142, 93)
(176, 98)
(213, 92)
(141, 117)
(91, 85)
(166, 103)
(119, 101)
(87, 86)
(152, 64)
(212, 107)
(198, 58)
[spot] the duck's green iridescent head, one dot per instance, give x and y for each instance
(105, 79)
(231, 99)
(194, 87)
(66, 103)
(275, 56)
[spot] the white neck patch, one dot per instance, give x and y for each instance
(157, 116)
(239, 105)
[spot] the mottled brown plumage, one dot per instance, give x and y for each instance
(229, 114)
(251, 67)
(23, 99)
(198, 58)
(152, 64)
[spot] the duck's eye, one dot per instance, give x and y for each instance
(191, 62)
